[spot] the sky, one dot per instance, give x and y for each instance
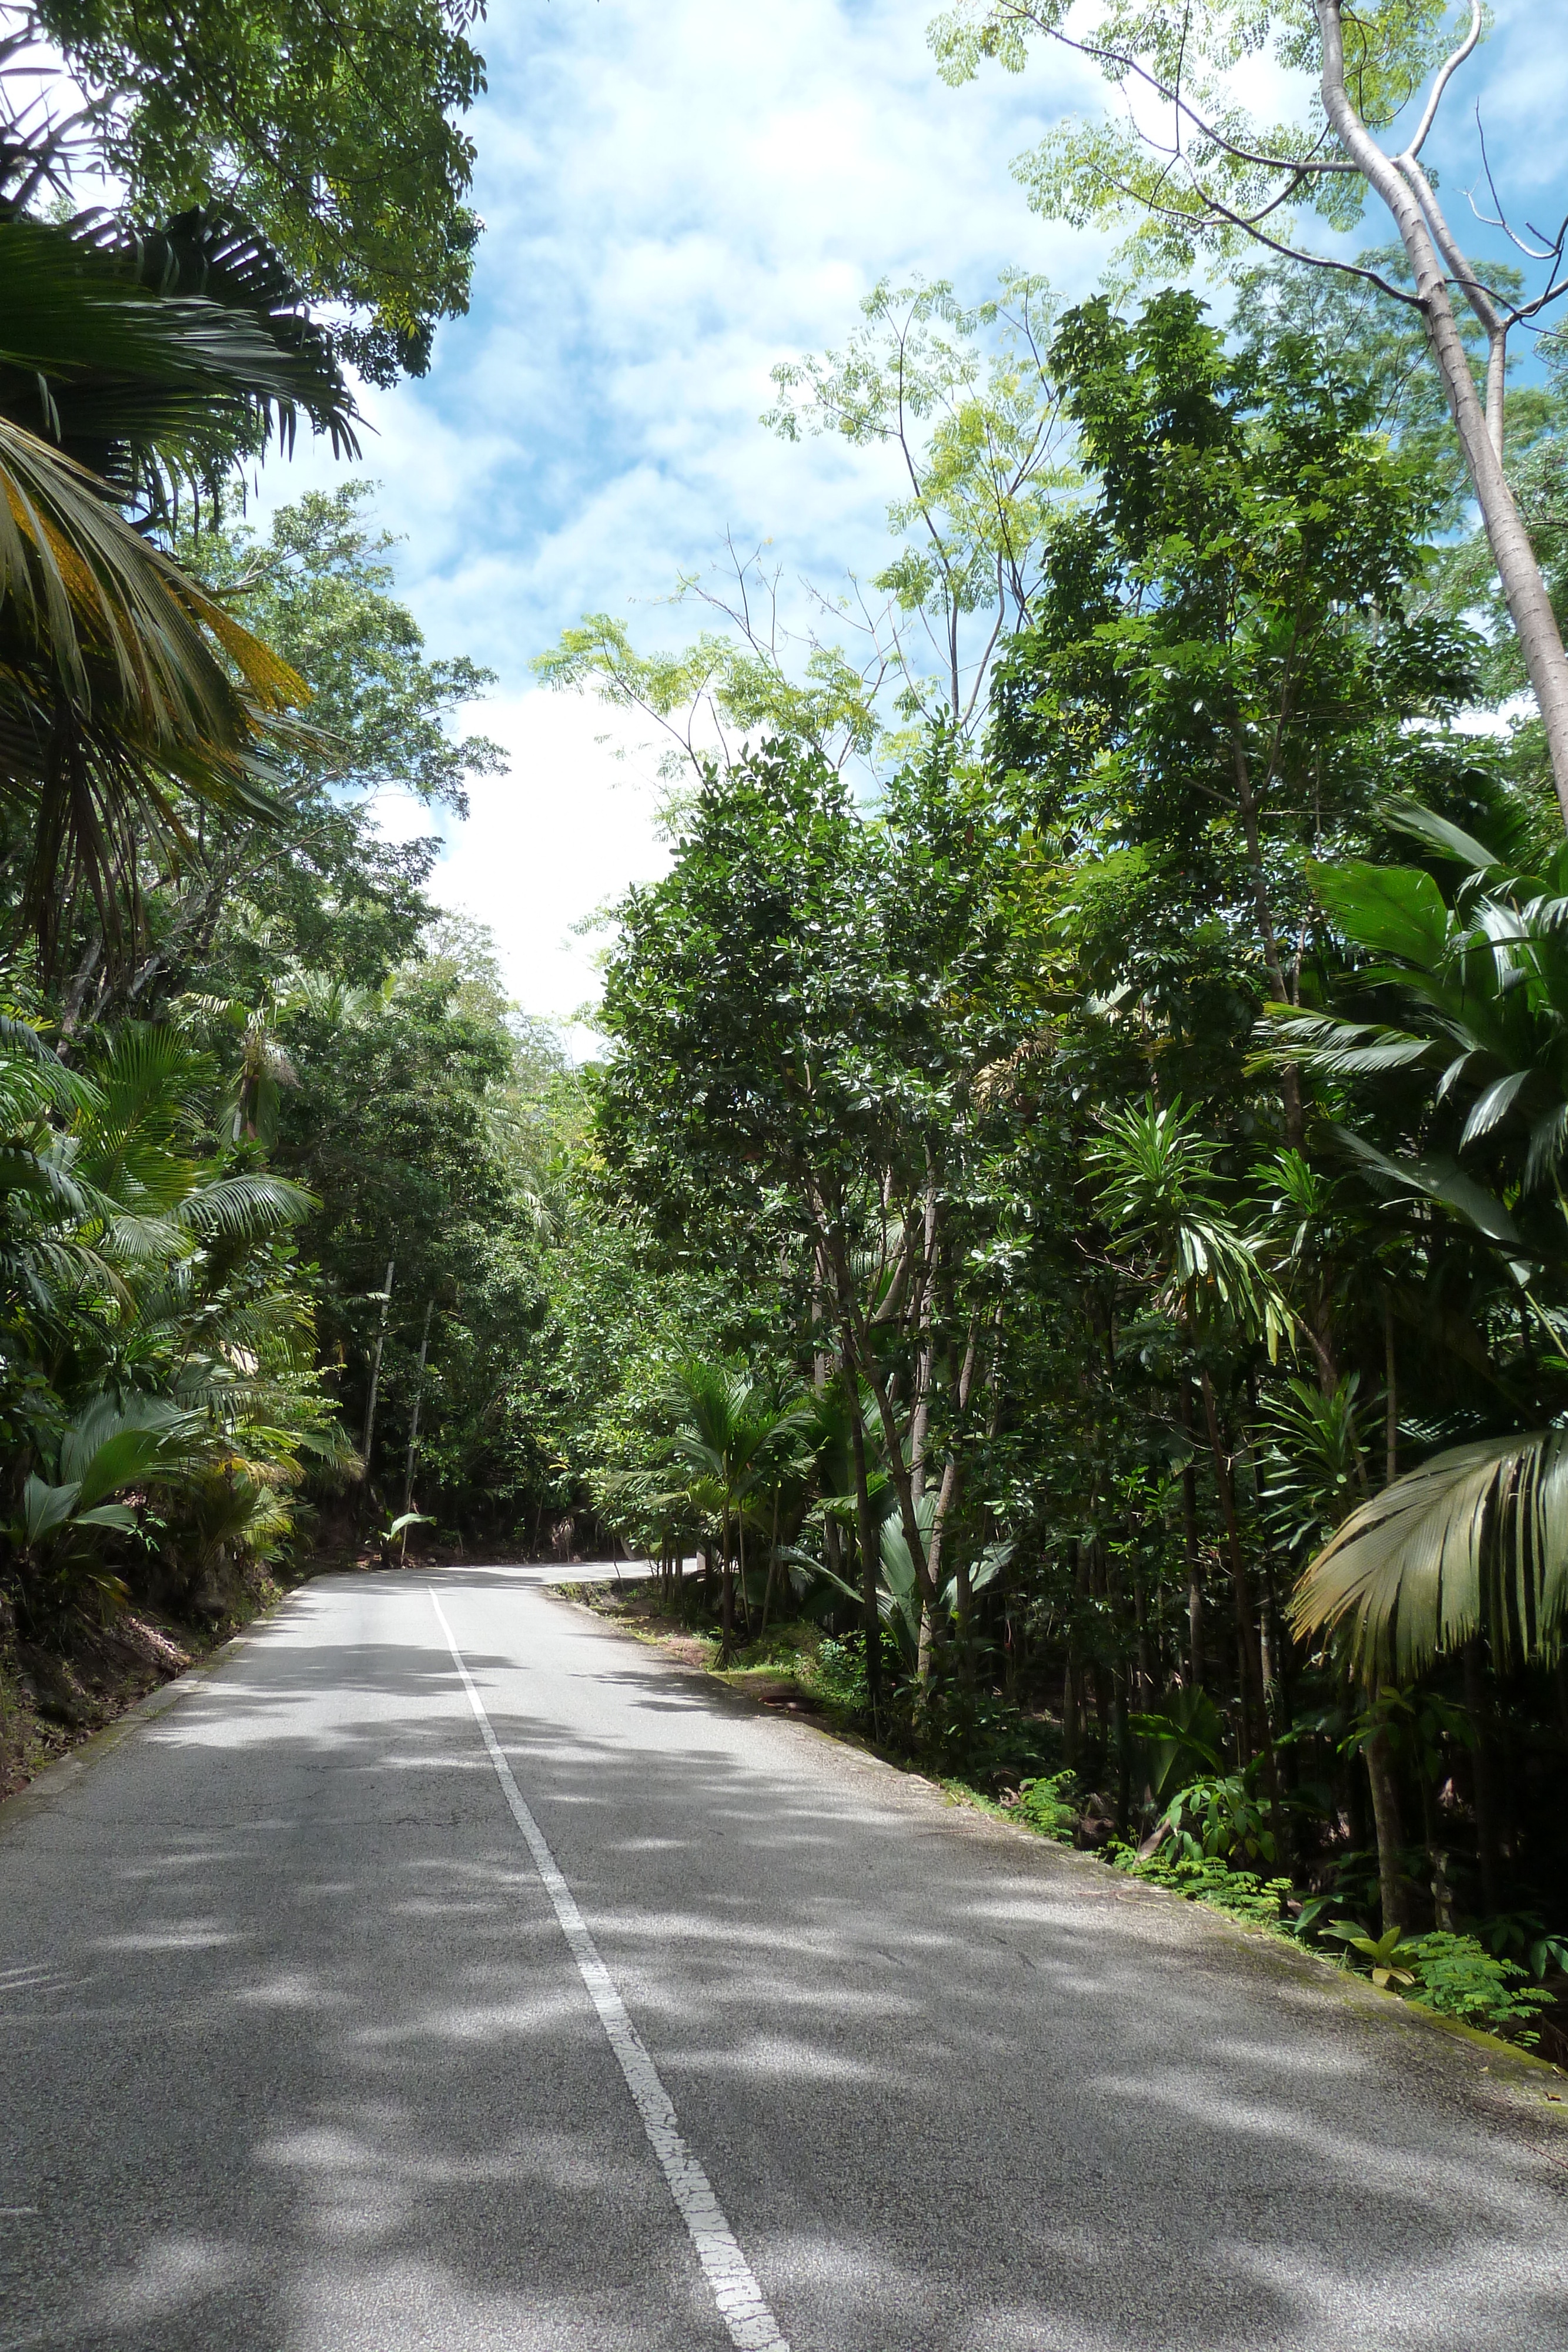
(675, 197)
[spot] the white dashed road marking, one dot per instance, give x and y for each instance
(752, 2326)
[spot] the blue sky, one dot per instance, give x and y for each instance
(675, 196)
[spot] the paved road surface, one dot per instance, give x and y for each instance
(296, 2055)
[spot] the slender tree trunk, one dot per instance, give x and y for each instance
(1274, 1639)
(414, 1419)
(1482, 1779)
(81, 980)
(740, 1547)
(376, 1368)
(1391, 1399)
(1539, 639)
(924, 1368)
(1249, 1648)
(1189, 1535)
(1118, 1679)
(945, 1497)
(1248, 1669)
(1072, 1669)
(821, 1355)
(870, 1550)
(1385, 1819)
(858, 1364)
(1247, 805)
(772, 1565)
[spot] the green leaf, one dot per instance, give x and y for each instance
(1391, 910)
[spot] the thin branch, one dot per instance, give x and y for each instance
(1553, 253)
(1309, 162)
(1445, 72)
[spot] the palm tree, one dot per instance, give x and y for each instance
(1482, 987)
(57, 1533)
(1476, 1539)
(737, 1437)
(131, 366)
(899, 1602)
(1158, 1193)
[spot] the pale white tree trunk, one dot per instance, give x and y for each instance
(1404, 190)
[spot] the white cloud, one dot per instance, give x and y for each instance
(567, 832)
(676, 197)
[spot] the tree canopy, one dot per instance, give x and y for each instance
(336, 133)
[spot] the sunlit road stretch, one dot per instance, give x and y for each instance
(446, 1971)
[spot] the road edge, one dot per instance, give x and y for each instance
(1520, 2074)
(63, 1771)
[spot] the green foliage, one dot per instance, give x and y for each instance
(317, 587)
(1523, 1935)
(1217, 1817)
(1454, 1975)
(964, 396)
(1458, 1977)
(1190, 69)
(1239, 1893)
(955, 1098)
(837, 1675)
(333, 132)
(1478, 1536)
(1156, 1188)
(1050, 1805)
(1390, 1958)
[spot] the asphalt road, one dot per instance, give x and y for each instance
(296, 2054)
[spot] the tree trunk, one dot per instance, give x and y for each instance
(858, 1365)
(1189, 1533)
(870, 1550)
(413, 1422)
(1248, 1669)
(944, 1496)
(1247, 805)
(772, 1565)
(1147, 1685)
(1481, 1780)
(740, 1548)
(1072, 1667)
(1249, 1649)
(1385, 1818)
(924, 1365)
(1539, 639)
(376, 1368)
(1391, 1399)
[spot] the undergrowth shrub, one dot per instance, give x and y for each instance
(837, 1673)
(1050, 1806)
(985, 1741)
(1458, 1977)
(1241, 1894)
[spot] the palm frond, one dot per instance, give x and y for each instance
(1476, 1541)
(238, 1208)
(1339, 1049)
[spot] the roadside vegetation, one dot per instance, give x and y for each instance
(1098, 1042)
(1067, 1231)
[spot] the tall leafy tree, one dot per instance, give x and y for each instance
(1191, 165)
(1225, 653)
(336, 133)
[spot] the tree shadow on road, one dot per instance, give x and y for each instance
(302, 2063)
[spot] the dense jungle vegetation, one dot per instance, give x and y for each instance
(1067, 1231)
